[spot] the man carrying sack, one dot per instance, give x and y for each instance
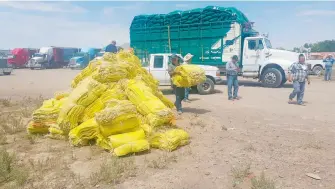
(179, 91)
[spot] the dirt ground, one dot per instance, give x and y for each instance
(232, 143)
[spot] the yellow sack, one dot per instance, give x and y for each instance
(56, 133)
(169, 140)
(188, 75)
(147, 129)
(84, 132)
(93, 108)
(121, 139)
(111, 71)
(160, 118)
(103, 143)
(87, 92)
(132, 147)
(151, 106)
(86, 72)
(138, 91)
(37, 128)
(69, 116)
(165, 100)
(119, 116)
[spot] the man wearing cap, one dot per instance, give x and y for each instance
(329, 61)
(187, 60)
(111, 47)
(179, 91)
(232, 69)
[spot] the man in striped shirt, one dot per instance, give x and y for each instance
(298, 73)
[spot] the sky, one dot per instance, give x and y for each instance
(95, 24)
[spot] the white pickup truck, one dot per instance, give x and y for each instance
(158, 66)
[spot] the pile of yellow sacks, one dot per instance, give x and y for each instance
(115, 104)
(188, 75)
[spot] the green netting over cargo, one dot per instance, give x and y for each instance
(194, 31)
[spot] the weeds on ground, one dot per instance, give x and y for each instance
(10, 171)
(162, 161)
(12, 124)
(250, 148)
(43, 165)
(26, 112)
(262, 182)
(114, 171)
(7, 102)
(240, 173)
(31, 138)
(3, 138)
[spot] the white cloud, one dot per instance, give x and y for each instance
(317, 13)
(112, 9)
(38, 31)
(43, 6)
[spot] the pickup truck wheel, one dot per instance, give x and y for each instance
(207, 87)
(317, 70)
(272, 78)
(32, 68)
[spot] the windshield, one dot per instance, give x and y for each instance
(268, 44)
(80, 54)
(38, 55)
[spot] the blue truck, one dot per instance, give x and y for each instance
(81, 59)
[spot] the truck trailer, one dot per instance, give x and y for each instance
(213, 35)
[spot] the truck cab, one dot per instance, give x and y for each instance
(41, 59)
(5, 67)
(260, 60)
(81, 59)
(157, 65)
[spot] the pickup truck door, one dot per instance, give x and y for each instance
(158, 68)
(253, 55)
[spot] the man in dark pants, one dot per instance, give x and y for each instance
(298, 73)
(232, 69)
(179, 91)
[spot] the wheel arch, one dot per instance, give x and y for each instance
(273, 65)
(211, 77)
(318, 65)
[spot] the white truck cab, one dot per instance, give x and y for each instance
(158, 66)
(39, 59)
(261, 61)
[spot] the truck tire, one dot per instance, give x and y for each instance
(207, 87)
(272, 78)
(7, 73)
(317, 70)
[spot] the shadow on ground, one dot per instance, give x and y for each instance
(195, 110)
(253, 84)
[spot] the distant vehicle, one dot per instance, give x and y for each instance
(21, 57)
(158, 66)
(5, 68)
(213, 35)
(81, 59)
(52, 57)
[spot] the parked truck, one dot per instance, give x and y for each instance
(52, 57)
(5, 68)
(81, 59)
(21, 56)
(213, 35)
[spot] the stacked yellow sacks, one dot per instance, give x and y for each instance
(188, 75)
(117, 105)
(71, 114)
(45, 116)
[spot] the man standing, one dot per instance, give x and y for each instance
(232, 69)
(298, 73)
(111, 47)
(179, 91)
(187, 60)
(329, 61)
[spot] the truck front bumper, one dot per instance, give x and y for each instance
(218, 80)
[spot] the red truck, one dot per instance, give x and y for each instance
(21, 57)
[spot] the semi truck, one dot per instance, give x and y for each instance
(81, 59)
(52, 57)
(213, 35)
(21, 57)
(5, 68)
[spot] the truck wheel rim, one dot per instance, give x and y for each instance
(270, 78)
(317, 71)
(205, 86)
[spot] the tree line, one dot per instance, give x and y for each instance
(322, 46)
